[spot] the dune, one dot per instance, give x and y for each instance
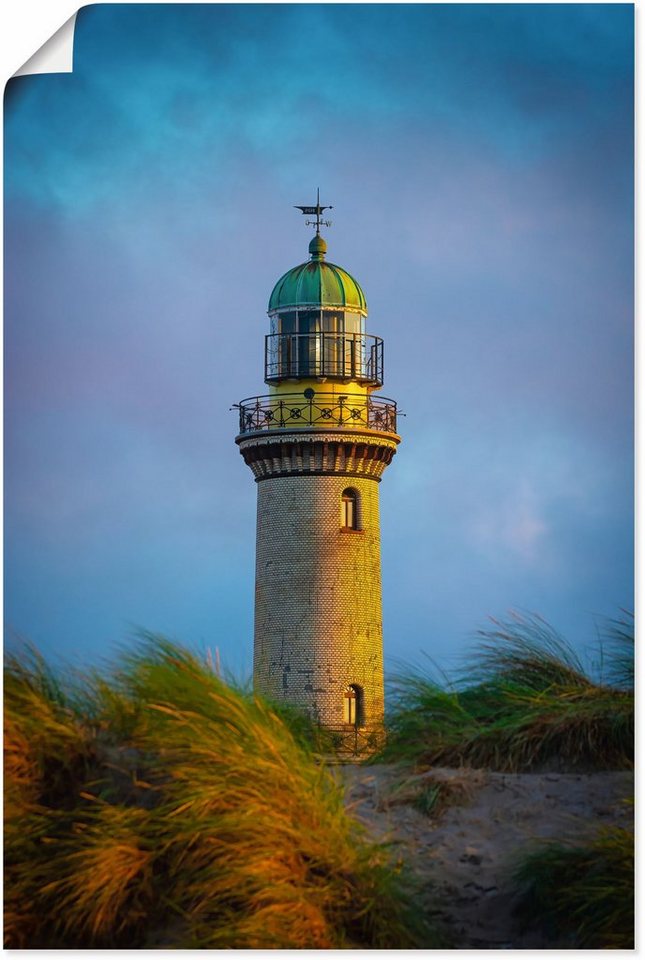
(464, 855)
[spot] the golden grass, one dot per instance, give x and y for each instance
(104, 873)
(194, 819)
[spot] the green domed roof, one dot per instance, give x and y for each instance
(317, 283)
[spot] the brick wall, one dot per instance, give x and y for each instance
(318, 623)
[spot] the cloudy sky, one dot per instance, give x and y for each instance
(479, 160)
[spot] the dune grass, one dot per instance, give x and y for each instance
(160, 806)
(582, 896)
(433, 791)
(524, 702)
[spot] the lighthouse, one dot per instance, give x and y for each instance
(318, 443)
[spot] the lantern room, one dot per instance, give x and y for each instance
(317, 313)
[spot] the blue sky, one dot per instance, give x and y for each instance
(479, 160)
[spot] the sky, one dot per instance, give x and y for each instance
(479, 159)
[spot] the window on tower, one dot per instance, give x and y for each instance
(332, 343)
(309, 343)
(349, 509)
(332, 321)
(282, 350)
(354, 322)
(286, 323)
(353, 705)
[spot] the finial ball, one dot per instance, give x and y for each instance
(317, 247)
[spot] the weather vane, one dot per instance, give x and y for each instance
(315, 212)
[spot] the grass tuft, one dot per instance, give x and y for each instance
(104, 873)
(581, 895)
(434, 791)
(524, 703)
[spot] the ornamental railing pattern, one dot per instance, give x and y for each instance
(341, 356)
(313, 409)
(350, 741)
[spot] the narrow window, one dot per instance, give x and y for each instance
(349, 705)
(349, 509)
(288, 345)
(332, 343)
(309, 343)
(353, 705)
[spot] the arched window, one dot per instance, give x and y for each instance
(353, 705)
(349, 509)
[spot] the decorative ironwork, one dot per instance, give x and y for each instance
(317, 213)
(342, 356)
(282, 411)
(352, 741)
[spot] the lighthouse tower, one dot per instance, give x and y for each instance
(318, 444)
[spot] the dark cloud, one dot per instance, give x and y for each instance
(480, 162)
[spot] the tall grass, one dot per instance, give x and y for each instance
(524, 702)
(582, 896)
(160, 806)
(617, 651)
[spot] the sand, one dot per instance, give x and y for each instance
(464, 856)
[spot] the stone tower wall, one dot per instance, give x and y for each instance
(318, 625)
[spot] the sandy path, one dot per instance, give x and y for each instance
(464, 856)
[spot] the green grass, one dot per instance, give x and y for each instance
(524, 702)
(428, 800)
(160, 806)
(582, 896)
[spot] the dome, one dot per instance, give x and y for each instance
(317, 283)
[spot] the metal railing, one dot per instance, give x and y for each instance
(349, 741)
(343, 356)
(313, 409)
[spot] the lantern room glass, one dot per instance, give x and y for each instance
(314, 342)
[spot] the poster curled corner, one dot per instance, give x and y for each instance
(56, 55)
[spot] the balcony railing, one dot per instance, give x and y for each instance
(322, 410)
(341, 356)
